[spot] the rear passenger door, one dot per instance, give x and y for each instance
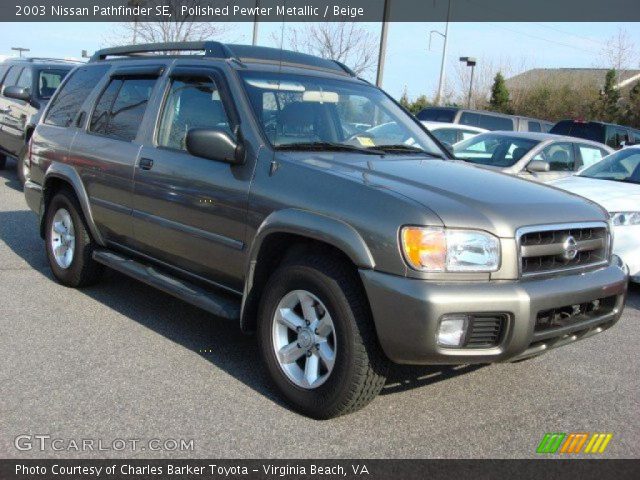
(189, 212)
(561, 158)
(588, 155)
(6, 106)
(16, 114)
(106, 150)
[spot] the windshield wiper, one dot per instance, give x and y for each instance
(402, 148)
(327, 146)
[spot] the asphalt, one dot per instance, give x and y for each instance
(121, 360)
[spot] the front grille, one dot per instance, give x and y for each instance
(571, 314)
(485, 330)
(562, 247)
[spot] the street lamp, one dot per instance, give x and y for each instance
(471, 62)
(20, 50)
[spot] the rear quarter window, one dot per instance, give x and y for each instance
(488, 122)
(68, 100)
(437, 115)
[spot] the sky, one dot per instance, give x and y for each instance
(410, 65)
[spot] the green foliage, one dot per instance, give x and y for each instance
(607, 107)
(500, 101)
(414, 107)
(632, 116)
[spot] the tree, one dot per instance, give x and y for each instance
(607, 107)
(499, 101)
(180, 28)
(619, 51)
(633, 107)
(404, 99)
(347, 43)
(421, 103)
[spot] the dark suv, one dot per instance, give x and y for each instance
(229, 180)
(26, 85)
(610, 134)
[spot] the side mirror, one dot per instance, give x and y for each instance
(539, 166)
(214, 144)
(19, 93)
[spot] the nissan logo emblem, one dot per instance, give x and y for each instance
(570, 248)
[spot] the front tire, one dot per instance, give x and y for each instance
(317, 337)
(68, 242)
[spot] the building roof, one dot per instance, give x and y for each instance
(570, 76)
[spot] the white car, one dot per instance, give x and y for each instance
(451, 133)
(614, 183)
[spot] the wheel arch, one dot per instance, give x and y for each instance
(286, 229)
(59, 176)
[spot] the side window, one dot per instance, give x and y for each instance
(12, 77)
(3, 70)
(67, 101)
(120, 108)
(468, 134)
(589, 155)
(534, 126)
(26, 79)
(446, 135)
(191, 103)
(560, 157)
(488, 122)
(612, 138)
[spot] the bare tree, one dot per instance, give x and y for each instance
(619, 52)
(181, 28)
(347, 43)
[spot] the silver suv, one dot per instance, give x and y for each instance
(234, 181)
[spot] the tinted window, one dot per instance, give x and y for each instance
(49, 81)
(26, 79)
(12, 77)
(534, 126)
(488, 122)
(437, 115)
(559, 156)
(588, 131)
(100, 116)
(68, 100)
(125, 115)
(192, 103)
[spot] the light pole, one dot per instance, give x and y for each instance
(20, 50)
(383, 43)
(471, 62)
(255, 25)
(444, 55)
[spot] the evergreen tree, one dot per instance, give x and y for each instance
(607, 107)
(404, 99)
(421, 103)
(500, 95)
(633, 108)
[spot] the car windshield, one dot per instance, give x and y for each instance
(494, 150)
(301, 112)
(49, 80)
(622, 166)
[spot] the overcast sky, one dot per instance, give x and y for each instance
(516, 46)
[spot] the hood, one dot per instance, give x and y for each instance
(461, 195)
(613, 196)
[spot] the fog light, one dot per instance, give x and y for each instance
(452, 329)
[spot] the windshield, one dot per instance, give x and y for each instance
(300, 112)
(622, 166)
(493, 150)
(49, 80)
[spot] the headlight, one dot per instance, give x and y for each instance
(625, 218)
(436, 249)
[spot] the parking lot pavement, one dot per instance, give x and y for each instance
(123, 361)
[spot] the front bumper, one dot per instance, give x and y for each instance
(626, 245)
(407, 311)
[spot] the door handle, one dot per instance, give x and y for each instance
(146, 164)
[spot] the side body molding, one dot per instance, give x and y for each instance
(69, 174)
(309, 225)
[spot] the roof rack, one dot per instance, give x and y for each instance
(223, 51)
(45, 59)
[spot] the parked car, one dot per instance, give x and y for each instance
(614, 183)
(26, 85)
(484, 119)
(452, 133)
(535, 156)
(226, 180)
(610, 134)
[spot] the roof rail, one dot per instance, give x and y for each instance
(44, 59)
(211, 49)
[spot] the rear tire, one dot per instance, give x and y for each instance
(358, 368)
(68, 242)
(20, 165)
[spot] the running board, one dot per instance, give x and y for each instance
(219, 304)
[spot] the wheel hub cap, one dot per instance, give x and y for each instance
(63, 240)
(304, 339)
